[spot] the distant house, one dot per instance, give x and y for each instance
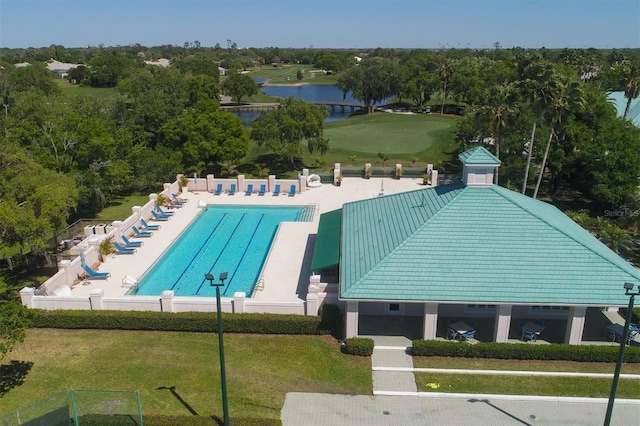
(60, 69)
(469, 249)
(162, 62)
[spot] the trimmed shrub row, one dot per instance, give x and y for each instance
(151, 420)
(362, 346)
(556, 352)
(328, 322)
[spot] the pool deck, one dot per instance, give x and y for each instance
(286, 272)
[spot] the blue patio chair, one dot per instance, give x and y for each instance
(249, 189)
(469, 335)
(123, 250)
(292, 190)
(232, 190)
(453, 335)
(611, 335)
(157, 216)
(129, 243)
(528, 336)
(147, 227)
(95, 274)
(263, 189)
(218, 190)
(276, 191)
(138, 233)
(179, 199)
(164, 212)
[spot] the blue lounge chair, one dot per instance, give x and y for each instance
(164, 212)
(218, 190)
(123, 250)
(178, 199)
(157, 216)
(263, 189)
(276, 191)
(469, 335)
(138, 233)
(94, 274)
(249, 189)
(147, 227)
(232, 190)
(129, 243)
(292, 190)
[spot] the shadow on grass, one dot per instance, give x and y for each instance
(184, 403)
(13, 374)
(277, 164)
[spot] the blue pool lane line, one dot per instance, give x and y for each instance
(244, 252)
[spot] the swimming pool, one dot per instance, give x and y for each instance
(233, 239)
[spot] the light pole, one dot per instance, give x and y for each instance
(223, 377)
(628, 287)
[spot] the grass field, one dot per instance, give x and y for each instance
(287, 74)
(260, 369)
(120, 209)
(75, 89)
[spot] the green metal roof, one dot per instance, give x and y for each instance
(474, 245)
(479, 155)
(326, 252)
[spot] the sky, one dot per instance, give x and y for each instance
(322, 23)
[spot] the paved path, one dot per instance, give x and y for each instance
(396, 401)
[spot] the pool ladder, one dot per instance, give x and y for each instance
(259, 285)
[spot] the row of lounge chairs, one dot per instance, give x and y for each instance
(249, 191)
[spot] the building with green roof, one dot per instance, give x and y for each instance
(468, 249)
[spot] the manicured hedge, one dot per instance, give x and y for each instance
(362, 346)
(558, 352)
(123, 420)
(191, 321)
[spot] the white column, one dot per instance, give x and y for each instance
(64, 265)
(430, 321)
(95, 299)
(502, 323)
(210, 185)
(434, 178)
(239, 298)
(312, 304)
(26, 296)
(272, 183)
(575, 325)
(166, 301)
(351, 320)
(241, 187)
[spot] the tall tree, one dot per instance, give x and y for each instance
(538, 84)
(631, 87)
(497, 112)
(566, 99)
(238, 86)
(372, 81)
(285, 129)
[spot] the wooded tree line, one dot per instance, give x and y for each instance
(66, 156)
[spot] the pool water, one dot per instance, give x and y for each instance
(232, 239)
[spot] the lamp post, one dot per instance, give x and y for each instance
(223, 377)
(628, 287)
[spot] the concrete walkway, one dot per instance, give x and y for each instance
(394, 352)
(396, 401)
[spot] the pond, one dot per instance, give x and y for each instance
(307, 92)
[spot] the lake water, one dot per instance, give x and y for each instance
(309, 93)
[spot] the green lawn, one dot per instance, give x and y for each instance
(522, 385)
(75, 89)
(279, 74)
(120, 209)
(260, 369)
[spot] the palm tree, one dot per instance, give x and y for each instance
(568, 98)
(497, 113)
(228, 168)
(615, 237)
(445, 71)
(539, 83)
(631, 89)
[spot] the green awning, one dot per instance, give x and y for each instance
(326, 253)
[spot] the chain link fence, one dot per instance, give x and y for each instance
(80, 408)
